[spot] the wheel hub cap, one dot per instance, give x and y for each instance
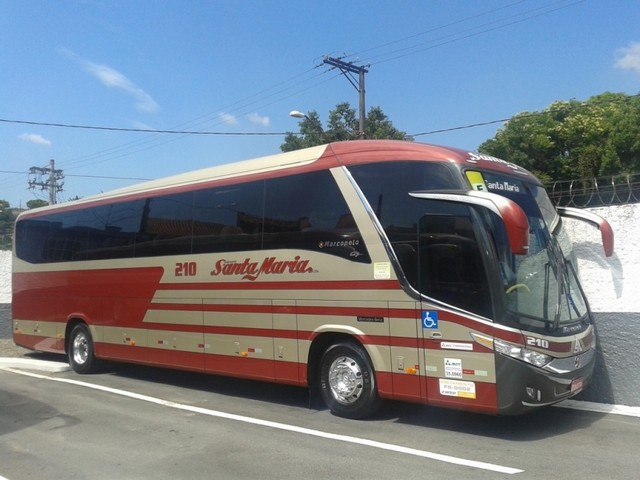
(345, 379)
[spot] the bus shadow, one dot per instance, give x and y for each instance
(254, 390)
(542, 424)
(545, 423)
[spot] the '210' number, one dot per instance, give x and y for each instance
(537, 342)
(186, 269)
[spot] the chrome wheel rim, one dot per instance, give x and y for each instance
(345, 380)
(80, 349)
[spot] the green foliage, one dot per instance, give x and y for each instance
(343, 124)
(6, 225)
(36, 204)
(572, 139)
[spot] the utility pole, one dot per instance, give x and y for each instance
(347, 70)
(53, 183)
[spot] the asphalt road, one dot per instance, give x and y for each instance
(137, 422)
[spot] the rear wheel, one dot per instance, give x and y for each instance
(347, 381)
(81, 351)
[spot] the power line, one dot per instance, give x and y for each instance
(155, 140)
(140, 130)
(186, 132)
(553, 109)
(286, 86)
(466, 33)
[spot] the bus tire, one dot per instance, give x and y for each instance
(347, 381)
(81, 352)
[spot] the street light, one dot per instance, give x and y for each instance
(297, 114)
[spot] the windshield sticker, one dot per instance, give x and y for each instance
(476, 180)
(457, 388)
(503, 186)
(382, 270)
(430, 319)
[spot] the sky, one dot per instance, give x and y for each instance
(225, 74)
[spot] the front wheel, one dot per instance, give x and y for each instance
(81, 351)
(347, 381)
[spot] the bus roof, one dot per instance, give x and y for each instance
(308, 159)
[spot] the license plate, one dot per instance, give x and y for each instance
(577, 385)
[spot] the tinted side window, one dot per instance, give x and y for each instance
(30, 235)
(450, 261)
(167, 225)
(386, 186)
(113, 229)
(308, 212)
(50, 239)
(100, 232)
(228, 218)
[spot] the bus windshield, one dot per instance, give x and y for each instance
(541, 288)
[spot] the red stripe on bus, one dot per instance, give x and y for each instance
(297, 285)
(287, 309)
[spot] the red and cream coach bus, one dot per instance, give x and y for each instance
(370, 269)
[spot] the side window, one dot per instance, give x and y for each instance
(308, 212)
(386, 186)
(53, 238)
(30, 236)
(228, 218)
(67, 239)
(101, 232)
(167, 225)
(451, 268)
(113, 229)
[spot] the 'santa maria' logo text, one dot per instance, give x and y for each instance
(249, 270)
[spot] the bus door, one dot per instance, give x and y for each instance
(450, 271)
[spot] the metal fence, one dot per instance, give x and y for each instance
(596, 192)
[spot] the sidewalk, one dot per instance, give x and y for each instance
(9, 349)
(12, 356)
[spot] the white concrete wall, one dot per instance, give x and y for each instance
(610, 283)
(5, 276)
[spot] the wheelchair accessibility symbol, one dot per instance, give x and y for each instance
(429, 319)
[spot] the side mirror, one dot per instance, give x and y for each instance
(514, 218)
(597, 221)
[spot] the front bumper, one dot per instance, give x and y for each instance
(523, 387)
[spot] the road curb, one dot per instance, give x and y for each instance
(32, 364)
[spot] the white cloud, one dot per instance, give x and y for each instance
(112, 78)
(228, 118)
(259, 120)
(629, 57)
(35, 138)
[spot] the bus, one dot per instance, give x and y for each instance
(368, 270)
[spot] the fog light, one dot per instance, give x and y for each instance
(534, 394)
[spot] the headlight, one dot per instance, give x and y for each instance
(521, 353)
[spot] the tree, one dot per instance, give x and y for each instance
(342, 125)
(36, 204)
(6, 225)
(573, 139)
